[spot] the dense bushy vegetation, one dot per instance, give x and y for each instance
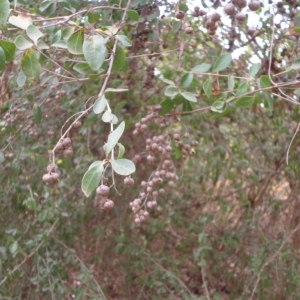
(149, 150)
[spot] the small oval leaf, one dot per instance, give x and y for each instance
(171, 91)
(37, 114)
(124, 40)
(4, 8)
(75, 42)
(21, 79)
(189, 96)
(121, 151)
(9, 49)
(100, 105)
(218, 106)
(22, 43)
(92, 178)
(34, 33)
(21, 21)
(246, 101)
(113, 137)
(186, 80)
(254, 70)
(123, 166)
(107, 117)
(207, 87)
(30, 63)
(13, 248)
(222, 62)
(94, 51)
(202, 68)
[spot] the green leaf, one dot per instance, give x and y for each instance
(22, 43)
(202, 68)
(34, 33)
(2, 59)
(186, 80)
(171, 91)
(113, 137)
(254, 69)
(48, 7)
(94, 51)
(9, 49)
(222, 62)
(119, 60)
(93, 17)
(82, 68)
(21, 21)
(231, 83)
(123, 166)
(167, 81)
(107, 117)
(75, 42)
(13, 248)
(218, 106)
(186, 106)
(121, 150)
(92, 178)
(183, 6)
(37, 114)
(133, 15)
(30, 63)
(21, 79)
(100, 105)
(265, 81)
(4, 9)
(269, 100)
(166, 106)
(246, 101)
(124, 40)
(60, 44)
(189, 96)
(42, 45)
(207, 87)
(242, 88)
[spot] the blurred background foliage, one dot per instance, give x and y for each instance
(226, 229)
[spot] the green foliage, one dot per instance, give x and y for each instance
(92, 177)
(199, 200)
(4, 8)
(94, 51)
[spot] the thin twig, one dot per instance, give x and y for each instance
(291, 142)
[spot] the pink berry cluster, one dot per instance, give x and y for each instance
(103, 202)
(158, 155)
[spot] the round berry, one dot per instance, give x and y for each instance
(109, 204)
(102, 190)
(47, 178)
(66, 142)
(129, 181)
(68, 151)
(254, 5)
(229, 9)
(180, 15)
(189, 30)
